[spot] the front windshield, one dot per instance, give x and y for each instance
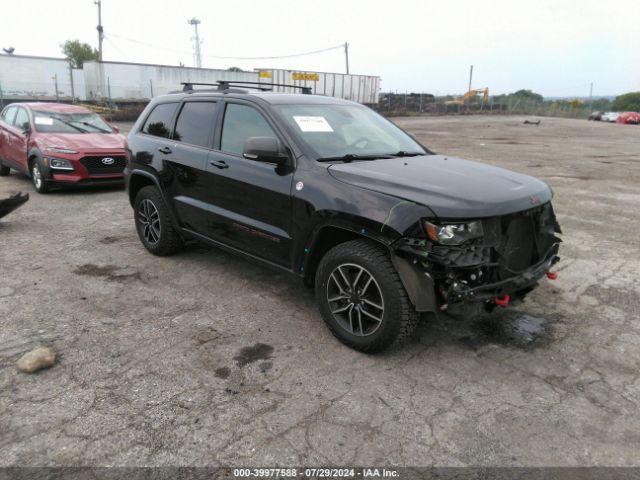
(53, 122)
(336, 131)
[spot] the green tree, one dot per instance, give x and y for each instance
(527, 96)
(77, 52)
(601, 104)
(629, 102)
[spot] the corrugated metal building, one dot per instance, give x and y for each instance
(135, 81)
(359, 88)
(26, 77)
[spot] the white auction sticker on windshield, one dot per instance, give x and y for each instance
(44, 121)
(313, 124)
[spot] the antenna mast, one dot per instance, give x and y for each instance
(197, 57)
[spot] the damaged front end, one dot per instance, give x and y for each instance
(492, 260)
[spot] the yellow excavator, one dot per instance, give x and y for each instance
(473, 94)
(470, 96)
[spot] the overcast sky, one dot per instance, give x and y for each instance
(555, 47)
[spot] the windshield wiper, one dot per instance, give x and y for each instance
(100, 129)
(349, 157)
(402, 153)
(69, 124)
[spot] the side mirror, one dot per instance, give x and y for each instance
(264, 149)
(26, 128)
(115, 128)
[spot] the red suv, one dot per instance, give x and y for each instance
(60, 145)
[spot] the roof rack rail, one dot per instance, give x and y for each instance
(228, 84)
(305, 90)
(222, 85)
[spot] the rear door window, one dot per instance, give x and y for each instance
(158, 122)
(240, 123)
(195, 123)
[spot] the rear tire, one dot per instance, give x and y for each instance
(4, 170)
(37, 177)
(153, 223)
(361, 297)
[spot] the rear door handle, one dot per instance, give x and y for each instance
(165, 150)
(219, 164)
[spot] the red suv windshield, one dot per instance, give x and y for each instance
(53, 122)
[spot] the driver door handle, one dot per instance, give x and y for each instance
(165, 150)
(219, 164)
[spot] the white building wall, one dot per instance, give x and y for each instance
(121, 81)
(24, 77)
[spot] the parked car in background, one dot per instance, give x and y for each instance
(597, 116)
(629, 118)
(609, 117)
(330, 191)
(60, 145)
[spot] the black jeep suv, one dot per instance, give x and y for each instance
(334, 193)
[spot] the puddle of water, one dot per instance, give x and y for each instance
(512, 328)
(247, 355)
(222, 372)
(110, 272)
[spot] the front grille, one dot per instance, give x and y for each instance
(525, 240)
(516, 249)
(96, 166)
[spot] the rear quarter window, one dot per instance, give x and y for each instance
(158, 123)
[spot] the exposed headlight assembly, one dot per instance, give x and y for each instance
(60, 164)
(453, 233)
(67, 151)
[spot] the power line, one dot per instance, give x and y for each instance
(313, 52)
(220, 57)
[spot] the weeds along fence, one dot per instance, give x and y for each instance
(128, 104)
(399, 104)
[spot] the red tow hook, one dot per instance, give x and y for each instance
(552, 275)
(502, 301)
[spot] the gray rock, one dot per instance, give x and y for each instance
(42, 357)
(6, 291)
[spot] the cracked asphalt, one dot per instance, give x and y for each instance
(207, 359)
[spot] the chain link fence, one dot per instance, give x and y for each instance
(399, 104)
(121, 101)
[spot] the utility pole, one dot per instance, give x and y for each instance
(591, 98)
(470, 77)
(100, 29)
(346, 56)
(55, 80)
(197, 58)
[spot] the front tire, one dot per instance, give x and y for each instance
(153, 223)
(361, 297)
(4, 170)
(37, 177)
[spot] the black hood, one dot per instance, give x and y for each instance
(450, 186)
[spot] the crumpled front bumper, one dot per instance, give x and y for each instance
(421, 287)
(508, 286)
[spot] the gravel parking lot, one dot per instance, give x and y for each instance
(207, 359)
